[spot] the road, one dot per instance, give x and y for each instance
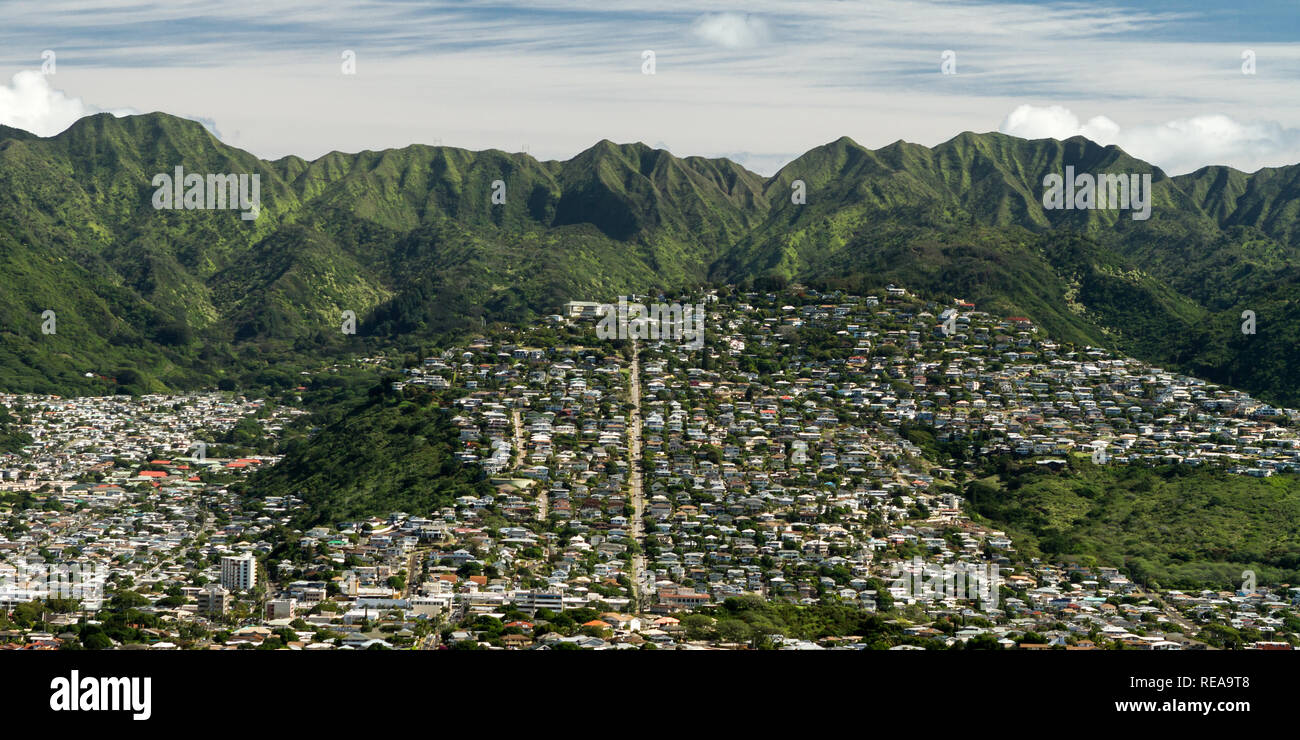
(543, 502)
(634, 466)
(1186, 627)
(413, 573)
(517, 421)
(414, 577)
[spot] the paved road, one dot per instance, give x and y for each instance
(517, 421)
(413, 572)
(1186, 627)
(543, 501)
(414, 577)
(634, 464)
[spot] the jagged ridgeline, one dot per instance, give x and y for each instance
(413, 243)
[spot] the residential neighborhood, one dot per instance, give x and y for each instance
(645, 495)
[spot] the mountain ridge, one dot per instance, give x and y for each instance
(411, 241)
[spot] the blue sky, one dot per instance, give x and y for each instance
(760, 81)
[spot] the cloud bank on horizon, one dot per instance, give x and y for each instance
(1177, 147)
(759, 81)
(29, 102)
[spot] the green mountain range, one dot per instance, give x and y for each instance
(414, 243)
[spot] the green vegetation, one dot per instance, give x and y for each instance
(407, 239)
(751, 620)
(394, 452)
(11, 439)
(410, 241)
(1176, 526)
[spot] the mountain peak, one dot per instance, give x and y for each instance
(135, 123)
(846, 141)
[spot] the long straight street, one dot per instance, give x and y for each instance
(639, 591)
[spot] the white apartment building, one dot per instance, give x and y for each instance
(239, 573)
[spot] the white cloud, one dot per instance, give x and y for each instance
(29, 102)
(1176, 146)
(1056, 122)
(731, 30)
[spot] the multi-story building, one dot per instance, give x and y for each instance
(531, 601)
(239, 573)
(213, 600)
(281, 608)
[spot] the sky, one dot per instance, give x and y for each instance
(1179, 84)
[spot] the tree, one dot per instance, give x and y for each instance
(983, 642)
(734, 630)
(698, 626)
(125, 599)
(93, 638)
(29, 613)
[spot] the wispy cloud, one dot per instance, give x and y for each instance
(731, 30)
